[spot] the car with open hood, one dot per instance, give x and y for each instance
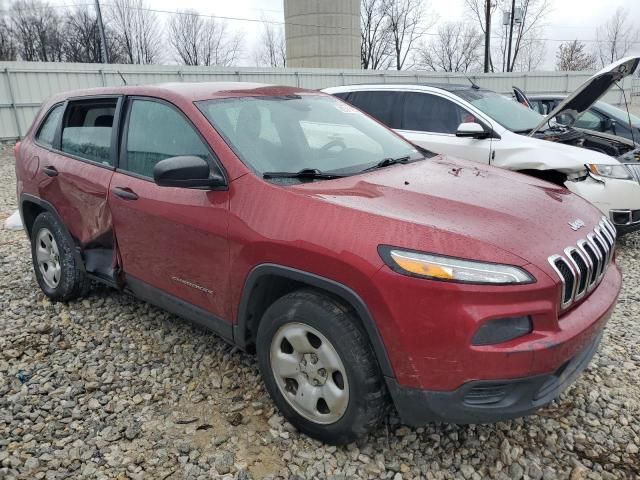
(602, 120)
(483, 126)
(364, 272)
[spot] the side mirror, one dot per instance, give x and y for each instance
(609, 125)
(471, 130)
(186, 172)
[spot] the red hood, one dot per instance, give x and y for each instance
(464, 201)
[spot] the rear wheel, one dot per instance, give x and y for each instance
(319, 367)
(54, 262)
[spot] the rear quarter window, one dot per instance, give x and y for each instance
(47, 131)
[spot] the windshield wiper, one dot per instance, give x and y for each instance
(385, 162)
(310, 173)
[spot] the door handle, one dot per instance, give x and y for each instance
(50, 171)
(125, 193)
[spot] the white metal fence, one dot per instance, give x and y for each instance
(25, 85)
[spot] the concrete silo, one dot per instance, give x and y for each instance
(322, 33)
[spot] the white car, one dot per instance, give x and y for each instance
(469, 122)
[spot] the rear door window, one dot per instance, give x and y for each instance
(382, 105)
(87, 127)
(156, 131)
(47, 132)
(424, 112)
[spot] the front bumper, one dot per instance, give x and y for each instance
(626, 221)
(616, 198)
(489, 401)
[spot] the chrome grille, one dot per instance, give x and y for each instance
(635, 170)
(581, 267)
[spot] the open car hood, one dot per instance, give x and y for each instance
(590, 91)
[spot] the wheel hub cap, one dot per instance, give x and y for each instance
(313, 370)
(309, 373)
(48, 258)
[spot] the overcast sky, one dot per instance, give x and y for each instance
(568, 19)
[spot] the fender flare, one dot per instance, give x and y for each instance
(46, 206)
(336, 288)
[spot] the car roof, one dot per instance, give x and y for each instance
(546, 97)
(448, 87)
(190, 91)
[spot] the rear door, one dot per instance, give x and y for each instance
(76, 165)
(171, 240)
(431, 121)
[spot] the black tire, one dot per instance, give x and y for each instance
(73, 281)
(367, 400)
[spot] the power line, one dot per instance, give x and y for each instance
(275, 22)
(307, 25)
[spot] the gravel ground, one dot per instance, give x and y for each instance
(110, 387)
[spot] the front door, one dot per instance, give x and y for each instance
(431, 121)
(169, 239)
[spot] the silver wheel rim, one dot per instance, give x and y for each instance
(309, 373)
(48, 258)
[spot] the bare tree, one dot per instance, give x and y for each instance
(36, 31)
(573, 56)
(533, 16)
(455, 48)
(272, 50)
(405, 22)
(202, 41)
(82, 42)
(532, 53)
(476, 10)
(616, 37)
(375, 36)
(136, 31)
(7, 44)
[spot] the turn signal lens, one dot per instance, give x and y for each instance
(422, 268)
(438, 267)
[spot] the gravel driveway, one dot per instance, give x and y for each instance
(110, 387)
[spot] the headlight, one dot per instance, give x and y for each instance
(438, 267)
(610, 171)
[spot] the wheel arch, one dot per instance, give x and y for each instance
(268, 282)
(32, 206)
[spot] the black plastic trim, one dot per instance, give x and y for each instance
(179, 307)
(336, 288)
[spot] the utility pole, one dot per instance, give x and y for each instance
(513, 14)
(487, 34)
(103, 38)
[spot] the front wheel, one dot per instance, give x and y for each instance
(319, 367)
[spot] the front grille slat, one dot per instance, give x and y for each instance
(635, 170)
(582, 267)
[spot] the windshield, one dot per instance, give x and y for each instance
(511, 115)
(617, 113)
(292, 133)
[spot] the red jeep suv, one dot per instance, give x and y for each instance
(363, 271)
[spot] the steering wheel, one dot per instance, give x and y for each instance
(333, 144)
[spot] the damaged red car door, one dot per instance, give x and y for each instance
(76, 151)
(152, 222)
